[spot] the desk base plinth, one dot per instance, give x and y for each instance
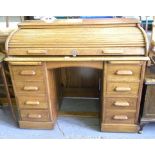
(119, 127)
(36, 125)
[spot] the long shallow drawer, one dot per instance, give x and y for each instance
(34, 115)
(30, 87)
(32, 102)
(124, 72)
(27, 73)
(121, 103)
(122, 117)
(122, 89)
(78, 51)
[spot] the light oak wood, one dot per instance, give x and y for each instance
(34, 60)
(32, 101)
(80, 51)
(30, 88)
(36, 125)
(116, 49)
(119, 128)
(27, 72)
(35, 52)
(113, 51)
(121, 104)
(122, 89)
(34, 115)
(25, 63)
(124, 72)
(120, 117)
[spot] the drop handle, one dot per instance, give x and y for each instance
(35, 116)
(124, 72)
(121, 104)
(27, 72)
(30, 88)
(122, 89)
(120, 117)
(32, 103)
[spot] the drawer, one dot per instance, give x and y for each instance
(27, 73)
(32, 102)
(34, 115)
(120, 117)
(121, 89)
(30, 87)
(121, 103)
(78, 51)
(123, 72)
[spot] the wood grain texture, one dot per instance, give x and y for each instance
(106, 57)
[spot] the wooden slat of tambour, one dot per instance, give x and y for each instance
(82, 36)
(72, 45)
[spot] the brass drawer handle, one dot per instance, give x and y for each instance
(121, 104)
(120, 117)
(37, 52)
(36, 116)
(27, 72)
(32, 102)
(122, 89)
(112, 51)
(30, 88)
(124, 72)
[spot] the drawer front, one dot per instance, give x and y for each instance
(78, 51)
(120, 117)
(30, 87)
(122, 72)
(32, 102)
(122, 89)
(120, 103)
(27, 73)
(34, 115)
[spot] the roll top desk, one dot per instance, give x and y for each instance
(116, 47)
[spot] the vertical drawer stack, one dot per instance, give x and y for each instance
(122, 87)
(31, 95)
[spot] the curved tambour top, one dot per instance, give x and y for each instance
(78, 37)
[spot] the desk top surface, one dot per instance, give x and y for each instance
(112, 21)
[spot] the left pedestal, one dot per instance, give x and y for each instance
(32, 95)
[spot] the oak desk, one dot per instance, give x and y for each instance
(115, 47)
